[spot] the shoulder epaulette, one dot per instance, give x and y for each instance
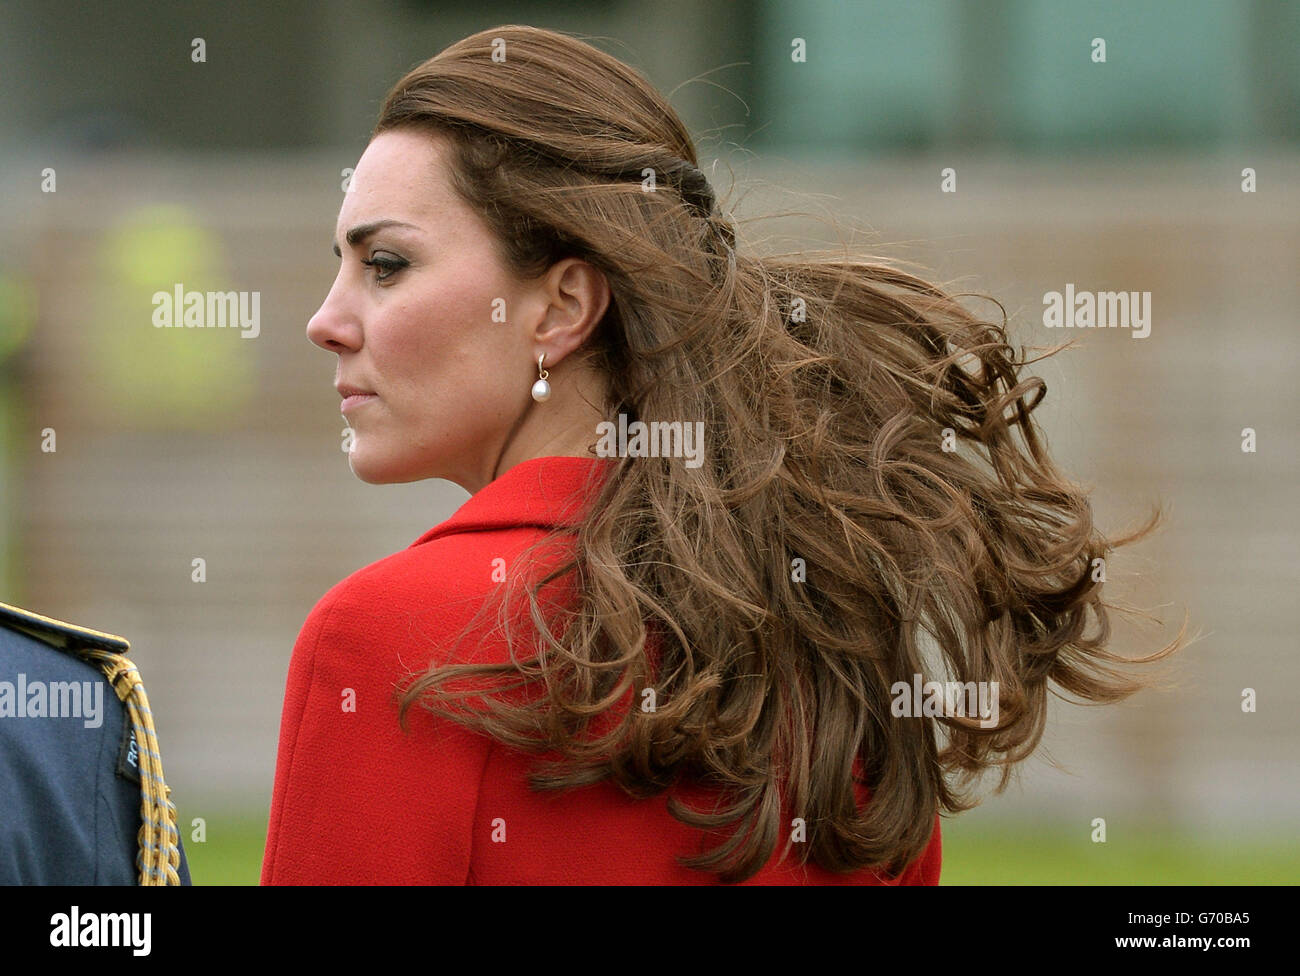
(59, 633)
(158, 858)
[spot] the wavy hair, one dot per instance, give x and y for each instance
(864, 513)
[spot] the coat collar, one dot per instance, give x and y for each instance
(545, 492)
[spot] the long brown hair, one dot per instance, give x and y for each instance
(864, 513)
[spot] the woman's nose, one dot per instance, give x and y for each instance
(333, 327)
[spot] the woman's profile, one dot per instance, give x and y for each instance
(764, 563)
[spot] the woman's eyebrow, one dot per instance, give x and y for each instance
(360, 232)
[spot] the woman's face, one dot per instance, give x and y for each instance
(416, 328)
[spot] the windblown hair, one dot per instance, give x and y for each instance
(861, 426)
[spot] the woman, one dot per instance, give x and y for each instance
(727, 513)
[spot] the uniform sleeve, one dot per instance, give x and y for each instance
(356, 799)
(66, 818)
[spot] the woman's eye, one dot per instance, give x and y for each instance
(384, 264)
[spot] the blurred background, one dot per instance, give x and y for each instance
(129, 167)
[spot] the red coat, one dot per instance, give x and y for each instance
(357, 801)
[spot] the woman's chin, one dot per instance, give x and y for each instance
(383, 470)
(369, 469)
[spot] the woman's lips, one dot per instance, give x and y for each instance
(356, 400)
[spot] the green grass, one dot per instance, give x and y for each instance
(1044, 854)
(972, 855)
(232, 852)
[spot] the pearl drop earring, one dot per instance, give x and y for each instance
(541, 389)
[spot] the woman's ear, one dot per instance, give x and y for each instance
(577, 296)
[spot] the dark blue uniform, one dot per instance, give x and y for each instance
(70, 772)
